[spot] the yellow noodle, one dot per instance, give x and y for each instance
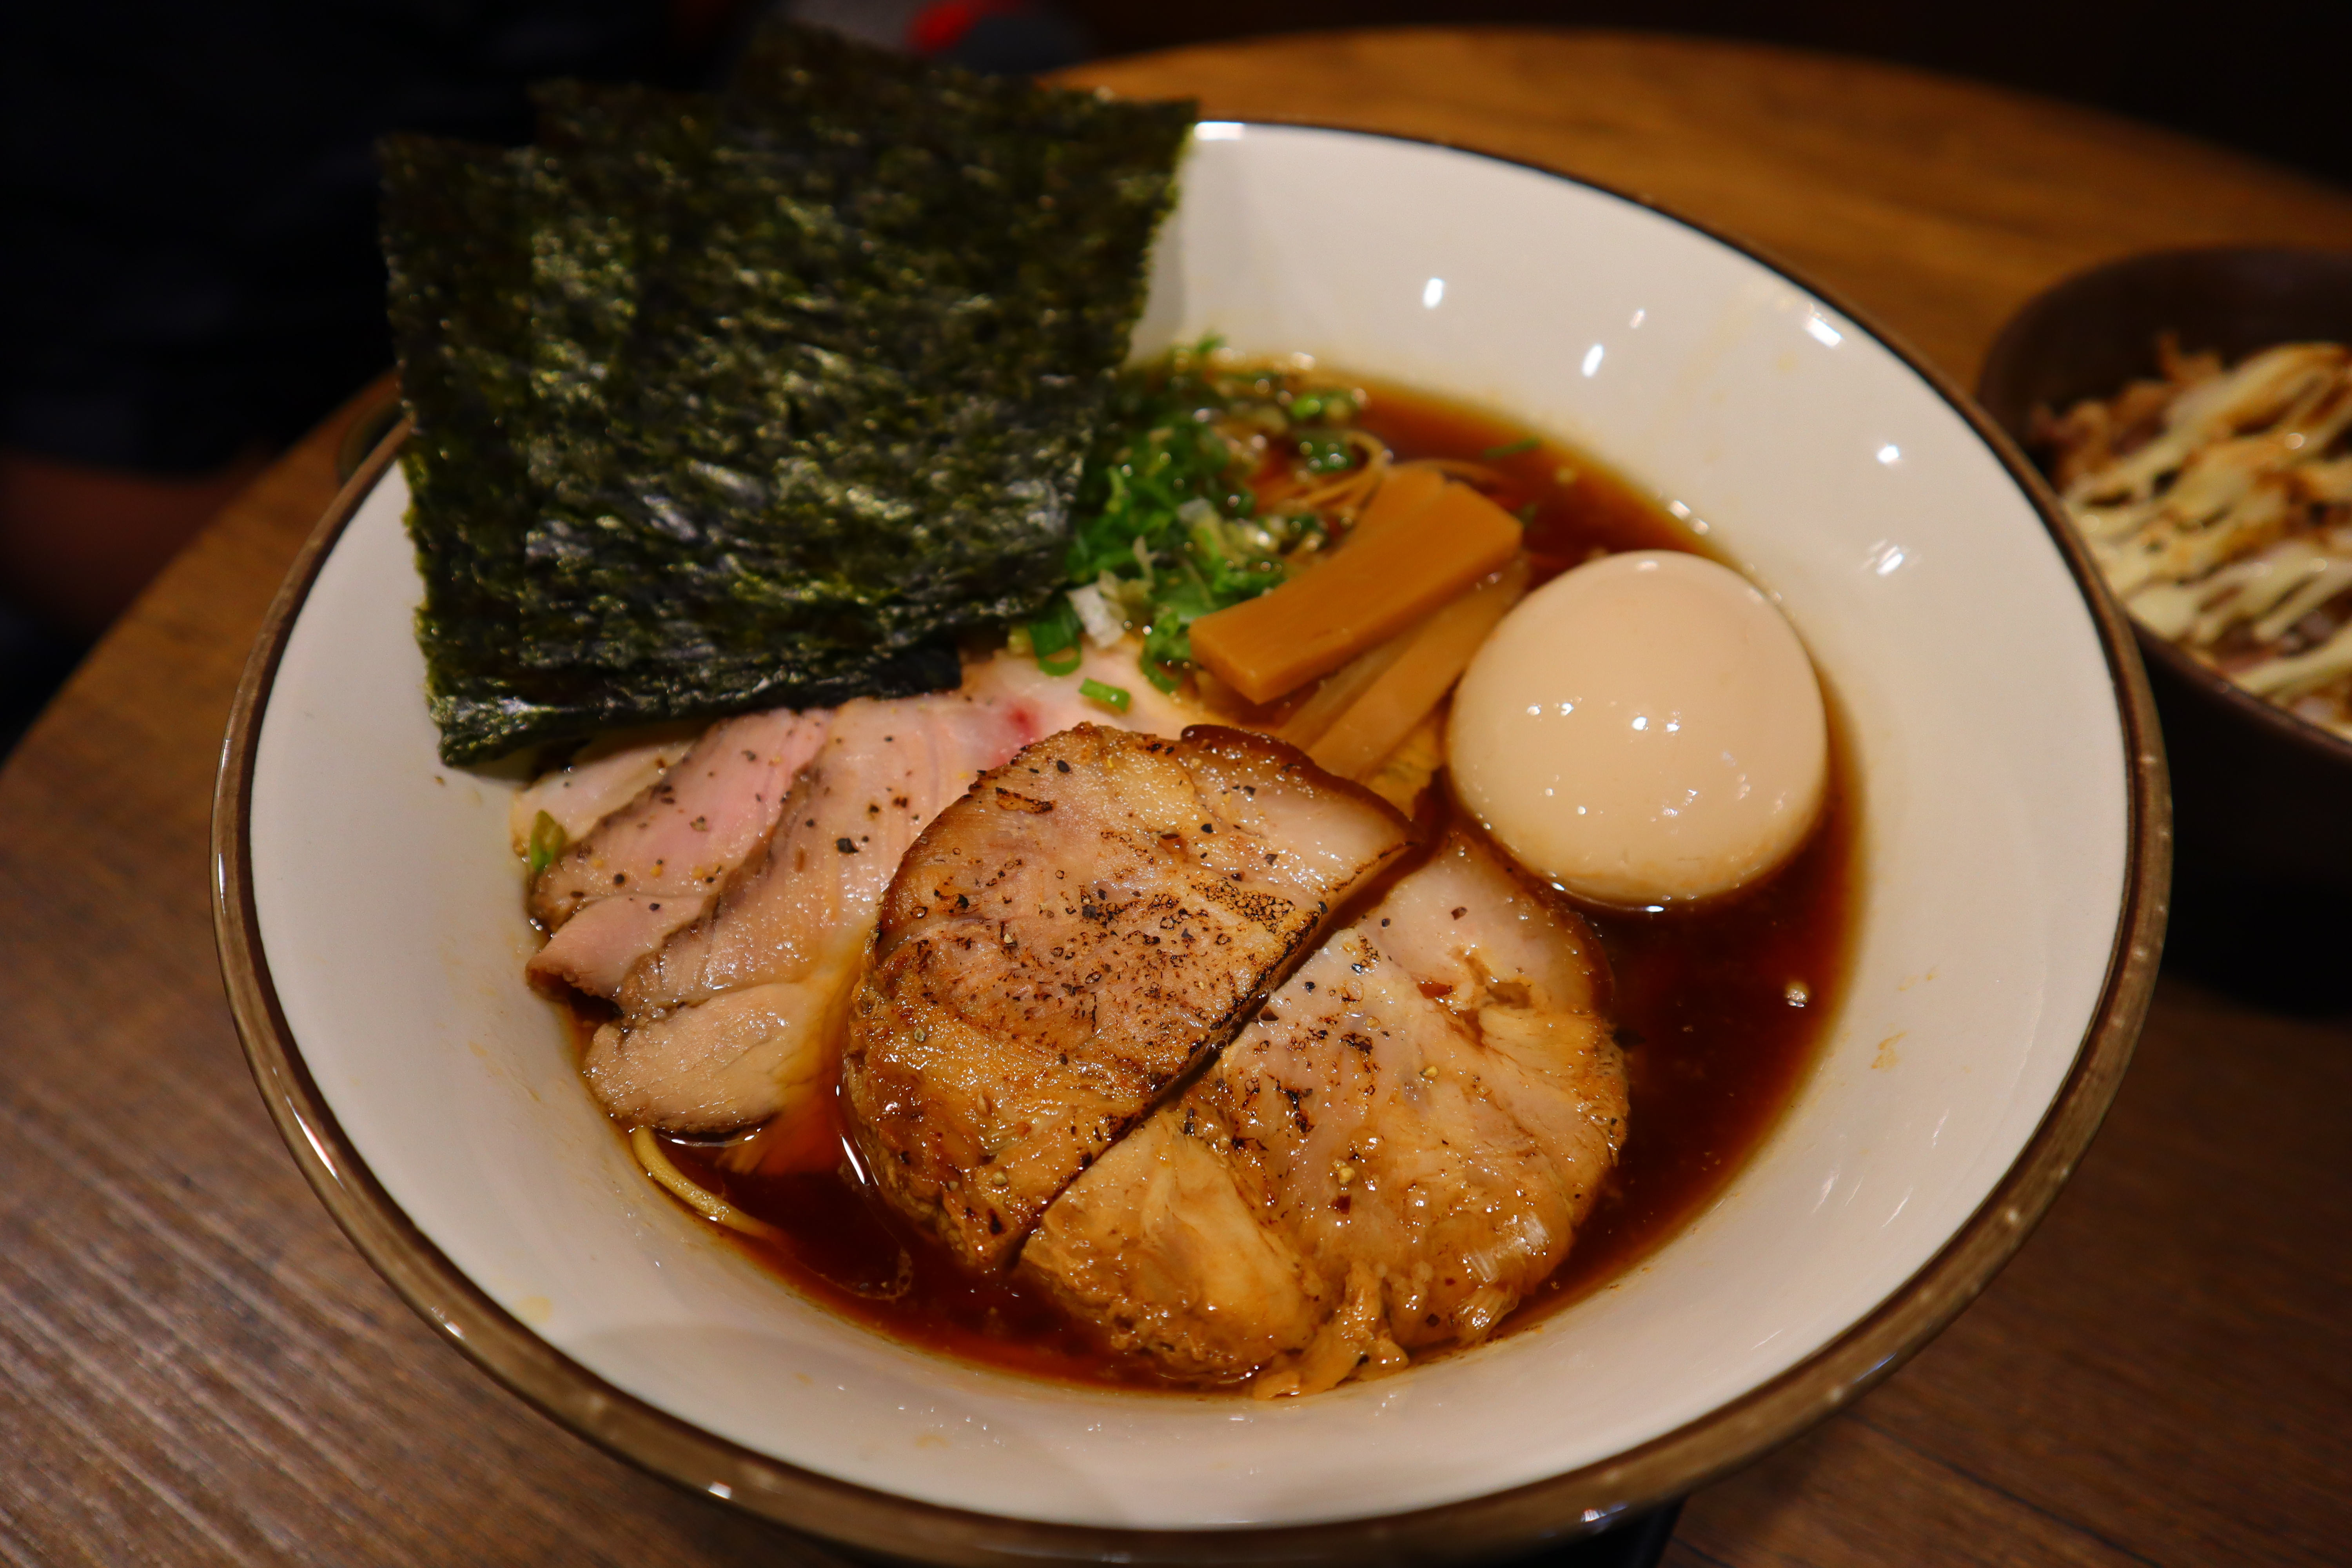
(1352, 489)
(709, 1205)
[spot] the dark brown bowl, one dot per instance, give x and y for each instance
(2262, 799)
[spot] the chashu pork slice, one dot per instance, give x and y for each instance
(1392, 1156)
(659, 862)
(1063, 944)
(598, 780)
(737, 1011)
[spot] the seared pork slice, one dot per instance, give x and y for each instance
(1163, 1244)
(1392, 1156)
(659, 862)
(1067, 941)
(791, 923)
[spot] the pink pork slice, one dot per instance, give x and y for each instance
(602, 778)
(659, 862)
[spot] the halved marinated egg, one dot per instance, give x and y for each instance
(1643, 730)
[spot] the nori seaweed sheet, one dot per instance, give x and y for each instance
(806, 376)
(455, 248)
(826, 373)
(610, 160)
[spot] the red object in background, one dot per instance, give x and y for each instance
(937, 28)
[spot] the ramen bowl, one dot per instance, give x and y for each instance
(2010, 864)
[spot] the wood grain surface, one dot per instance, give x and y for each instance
(195, 1368)
(1938, 204)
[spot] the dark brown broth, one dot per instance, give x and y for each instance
(1700, 996)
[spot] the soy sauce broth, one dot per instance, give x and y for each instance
(1719, 1007)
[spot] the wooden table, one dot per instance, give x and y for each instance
(195, 1368)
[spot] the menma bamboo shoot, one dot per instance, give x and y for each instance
(1435, 655)
(1371, 587)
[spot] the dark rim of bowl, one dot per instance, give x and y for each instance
(1556, 1509)
(2008, 345)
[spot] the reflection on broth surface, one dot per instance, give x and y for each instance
(1718, 1006)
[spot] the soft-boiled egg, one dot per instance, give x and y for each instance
(1643, 730)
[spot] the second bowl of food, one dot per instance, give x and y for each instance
(1497, 1236)
(2195, 408)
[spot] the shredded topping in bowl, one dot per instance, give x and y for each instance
(2219, 504)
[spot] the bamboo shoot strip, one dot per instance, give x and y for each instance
(1370, 590)
(1402, 496)
(1433, 656)
(1313, 718)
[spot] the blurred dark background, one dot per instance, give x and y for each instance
(188, 277)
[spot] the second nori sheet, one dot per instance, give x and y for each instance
(804, 396)
(858, 392)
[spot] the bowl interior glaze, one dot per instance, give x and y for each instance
(2005, 814)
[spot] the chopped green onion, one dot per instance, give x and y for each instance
(1115, 698)
(1166, 525)
(1169, 641)
(548, 840)
(1327, 454)
(1510, 448)
(1526, 513)
(1056, 632)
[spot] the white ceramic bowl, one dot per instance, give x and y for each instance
(2012, 865)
